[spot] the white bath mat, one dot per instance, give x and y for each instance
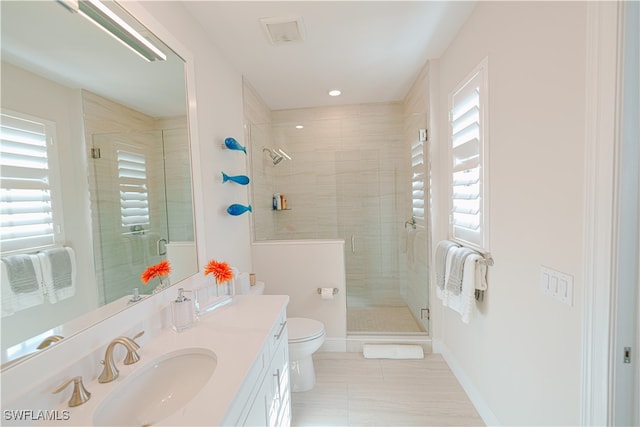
(392, 351)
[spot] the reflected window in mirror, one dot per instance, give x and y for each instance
(30, 205)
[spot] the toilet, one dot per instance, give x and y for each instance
(305, 338)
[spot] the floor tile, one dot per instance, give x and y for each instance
(354, 391)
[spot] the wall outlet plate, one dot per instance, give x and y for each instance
(557, 285)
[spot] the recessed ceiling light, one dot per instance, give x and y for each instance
(299, 127)
(334, 92)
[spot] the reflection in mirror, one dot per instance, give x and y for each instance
(95, 169)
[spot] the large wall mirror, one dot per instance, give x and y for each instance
(95, 165)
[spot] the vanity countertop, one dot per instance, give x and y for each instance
(236, 333)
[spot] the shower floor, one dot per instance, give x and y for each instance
(381, 319)
(371, 312)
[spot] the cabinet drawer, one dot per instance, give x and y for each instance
(278, 333)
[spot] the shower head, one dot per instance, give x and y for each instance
(275, 157)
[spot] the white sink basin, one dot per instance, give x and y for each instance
(158, 390)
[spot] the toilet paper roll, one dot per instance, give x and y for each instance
(326, 293)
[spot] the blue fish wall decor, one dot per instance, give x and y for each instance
(238, 179)
(232, 144)
(237, 209)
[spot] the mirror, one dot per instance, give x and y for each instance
(119, 177)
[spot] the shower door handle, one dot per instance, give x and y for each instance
(161, 246)
(353, 243)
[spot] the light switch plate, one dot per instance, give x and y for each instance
(557, 285)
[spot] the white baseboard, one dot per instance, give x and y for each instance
(478, 402)
(335, 345)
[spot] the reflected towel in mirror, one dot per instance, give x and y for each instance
(20, 278)
(58, 273)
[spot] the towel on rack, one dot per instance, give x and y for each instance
(442, 250)
(58, 273)
(464, 302)
(456, 272)
(473, 279)
(20, 283)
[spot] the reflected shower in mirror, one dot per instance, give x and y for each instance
(110, 192)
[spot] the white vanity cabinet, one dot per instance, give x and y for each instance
(265, 396)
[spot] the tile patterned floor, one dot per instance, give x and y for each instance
(381, 319)
(353, 391)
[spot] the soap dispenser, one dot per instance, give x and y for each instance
(182, 312)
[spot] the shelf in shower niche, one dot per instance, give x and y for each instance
(280, 210)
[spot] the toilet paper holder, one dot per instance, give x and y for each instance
(335, 291)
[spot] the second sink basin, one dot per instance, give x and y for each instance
(158, 390)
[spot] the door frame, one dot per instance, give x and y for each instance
(604, 96)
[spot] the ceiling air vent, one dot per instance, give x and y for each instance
(283, 30)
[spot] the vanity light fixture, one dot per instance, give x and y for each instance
(109, 21)
(334, 92)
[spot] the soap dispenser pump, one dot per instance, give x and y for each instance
(182, 312)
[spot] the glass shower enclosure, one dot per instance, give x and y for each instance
(142, 204)
(348, 178)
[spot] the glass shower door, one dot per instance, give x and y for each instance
(131, 207)
(369, 221)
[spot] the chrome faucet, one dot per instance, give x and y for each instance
(49, 340)
(110, 371)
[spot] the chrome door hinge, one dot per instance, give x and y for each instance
(423, 135)
(95, 153)
(627, 355)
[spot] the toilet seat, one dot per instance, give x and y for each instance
(302, 330)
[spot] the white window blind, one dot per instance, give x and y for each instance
(418, 171)
(30, 215)
(467, 124)
(134, 195)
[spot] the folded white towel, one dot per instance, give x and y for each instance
(440, 262)
(20, 279)
(456, 272)
(58, 273)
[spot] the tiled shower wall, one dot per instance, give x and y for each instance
(348, 179)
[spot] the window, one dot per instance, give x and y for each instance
(134, 194)
(418, 171)
(468, 130)
(30, 205)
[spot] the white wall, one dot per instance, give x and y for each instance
(520, 356)
(218, 100)
(298, 268)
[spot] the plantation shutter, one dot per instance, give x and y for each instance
(418, 181)
(134, 196)
(467, 185)
(26, 207)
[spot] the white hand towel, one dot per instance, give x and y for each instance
(20, 281)
(456, 273)
(470, 282)
(442, 251)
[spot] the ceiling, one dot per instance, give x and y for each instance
(371, 50)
